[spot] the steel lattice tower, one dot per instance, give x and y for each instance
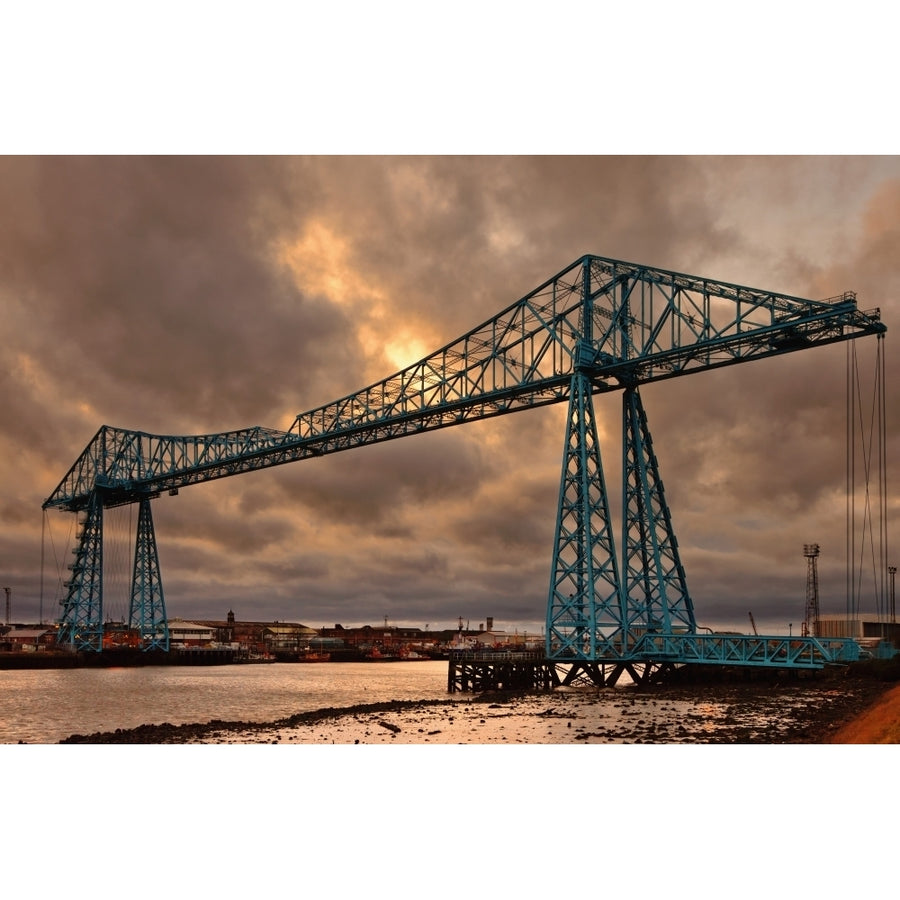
(81, 622)
(584, 612)
(656, 593)
(147, 610)
(811, 619)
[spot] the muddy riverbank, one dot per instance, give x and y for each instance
(765, 711)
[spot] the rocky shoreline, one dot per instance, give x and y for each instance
(766, 711)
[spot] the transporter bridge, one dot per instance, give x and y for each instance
(599, 325)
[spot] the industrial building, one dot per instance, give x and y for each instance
(864, 631)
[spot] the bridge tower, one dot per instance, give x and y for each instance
(81, 621)
(584, 611)
(655, 589)
(147, 610)
(598, 608)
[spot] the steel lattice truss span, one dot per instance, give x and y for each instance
(599, 325)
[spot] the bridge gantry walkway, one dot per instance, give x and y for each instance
(598, 326)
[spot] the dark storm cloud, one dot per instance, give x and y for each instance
(396, 475)
(767, 432)
(144, 275)
(189, 295)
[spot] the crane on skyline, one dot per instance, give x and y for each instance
(598, 326)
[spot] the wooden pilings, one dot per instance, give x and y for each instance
(499, 672)
(480, 671)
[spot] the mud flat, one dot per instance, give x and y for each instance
(815, 711)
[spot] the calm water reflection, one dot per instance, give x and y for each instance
(46, 706)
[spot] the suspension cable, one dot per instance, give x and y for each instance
(850, 523)
(60, 578)
(41, 589)
(883, 494)
(870, 434)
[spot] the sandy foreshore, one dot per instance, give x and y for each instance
(796, 712)
(878, 724)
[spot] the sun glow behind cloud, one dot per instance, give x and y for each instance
(322, 263)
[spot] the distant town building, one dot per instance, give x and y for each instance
(189, 634)
(28, 639)
(859, 628)
(289, 641)
(257, 638)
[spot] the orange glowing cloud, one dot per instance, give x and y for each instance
(321, 262)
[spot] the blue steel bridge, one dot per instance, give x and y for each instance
(597, 326)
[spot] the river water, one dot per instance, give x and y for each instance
(45, 706)
(349, 808)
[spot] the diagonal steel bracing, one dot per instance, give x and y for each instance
(147, 610)
(655, 586)
(584, 618)
(81, 620)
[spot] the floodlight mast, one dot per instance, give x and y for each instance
(892, 571)
(811, 618)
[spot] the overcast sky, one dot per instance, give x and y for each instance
(189, 295)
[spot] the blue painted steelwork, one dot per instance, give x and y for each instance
(522, 358)
(584, 610)
(599, 325)
(655, 591)
(885, 650)
(147, 610)
(81, 622)
(744, 650)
